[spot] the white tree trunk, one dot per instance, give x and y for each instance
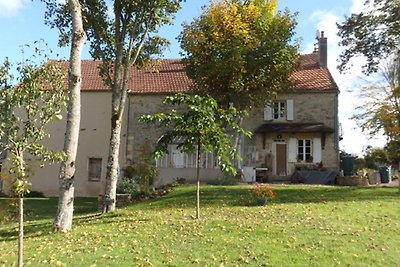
(64, 216)
(121, 77)
(119, 99)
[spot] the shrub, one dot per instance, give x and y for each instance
(127, 186)
(143, 174)
(229, 180)
(180, 180)
(36, 194)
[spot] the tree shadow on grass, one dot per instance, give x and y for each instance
(185, 197)
(317, 194)
(39, 213)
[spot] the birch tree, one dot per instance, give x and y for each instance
(121, 39)
(64, 215)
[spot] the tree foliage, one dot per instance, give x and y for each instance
(203, 127)
(239, 51)
(375, 157)
(25, 110)
(121, 39)
(380, 110)
(374, 33)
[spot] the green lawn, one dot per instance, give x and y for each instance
(303, 226)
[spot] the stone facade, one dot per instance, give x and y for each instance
(139, 134)
(308, 107)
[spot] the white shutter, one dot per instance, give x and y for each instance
(292, 149)
(289, 109)
(267, 113)
(317, 150)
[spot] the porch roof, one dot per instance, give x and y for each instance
(294, 128)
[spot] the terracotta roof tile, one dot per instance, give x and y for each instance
(170, 77)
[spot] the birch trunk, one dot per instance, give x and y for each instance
(124, 60)
(113, 154)
(64, 216)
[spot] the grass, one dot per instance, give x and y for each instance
(303, 226)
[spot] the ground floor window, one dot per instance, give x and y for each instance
(304, 150)
(95, 165)
(177, 159)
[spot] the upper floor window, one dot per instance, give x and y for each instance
(279, 110)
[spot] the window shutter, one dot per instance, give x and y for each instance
(292, 149)
(267, 113)
(289, 114)
(317, 150)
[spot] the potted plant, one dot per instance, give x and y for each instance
(263, 193)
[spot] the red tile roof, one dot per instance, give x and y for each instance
(170, 77)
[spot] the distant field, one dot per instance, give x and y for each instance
(303, 226)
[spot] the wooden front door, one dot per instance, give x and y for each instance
(281, 159)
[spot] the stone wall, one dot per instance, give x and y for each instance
(308, 106)
(314, 106)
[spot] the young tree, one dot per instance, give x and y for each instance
(380, 110)
(240, 52)
(374, 33)
(204, 128)
(64, 215)
(25, 110)
(121, 41)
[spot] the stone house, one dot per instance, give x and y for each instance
(298, 127)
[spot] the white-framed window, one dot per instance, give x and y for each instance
(94, 167)
(279, 110)
(304, 150)
(177, 159)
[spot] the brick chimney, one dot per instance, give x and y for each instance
(322, 50)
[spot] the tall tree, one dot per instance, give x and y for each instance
(380, 108)
(203, 126)
(120, 40)
(240, 51)
(374, 33)
(64, 215)
(25, 110)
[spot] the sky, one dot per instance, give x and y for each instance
(22, 23)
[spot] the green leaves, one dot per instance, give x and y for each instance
(25, 111)
(374, 34)
(203, 122)
(240, 52)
